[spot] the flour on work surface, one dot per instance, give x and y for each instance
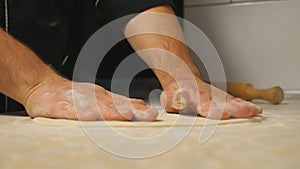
(164, 120)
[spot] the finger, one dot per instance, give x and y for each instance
(241, 109)
(174, 100)
(139, 109)
(137, 102)
(111, 113)
(213, 110)
(144, 114)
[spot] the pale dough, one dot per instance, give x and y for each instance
(164, 120)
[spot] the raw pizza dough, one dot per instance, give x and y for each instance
(164, 120)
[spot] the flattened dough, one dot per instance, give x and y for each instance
(164, 120)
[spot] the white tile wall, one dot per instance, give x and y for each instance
(189, 3)
(252, 0)
(258, 43)
(204, 2)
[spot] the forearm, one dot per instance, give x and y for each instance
(21, 69)
(174, 54)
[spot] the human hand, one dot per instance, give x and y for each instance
(64, 99)
(195, 96)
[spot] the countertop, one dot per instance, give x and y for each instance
(272, 143)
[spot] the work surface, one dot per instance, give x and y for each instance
(272, 143)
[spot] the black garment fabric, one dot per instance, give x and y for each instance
(42, 25)
(94, 18)
(56, 28)
(2, 14)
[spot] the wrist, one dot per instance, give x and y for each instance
(47, 78)
(166, 79)
(21, 69)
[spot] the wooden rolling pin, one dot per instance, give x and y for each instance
(246, 91)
